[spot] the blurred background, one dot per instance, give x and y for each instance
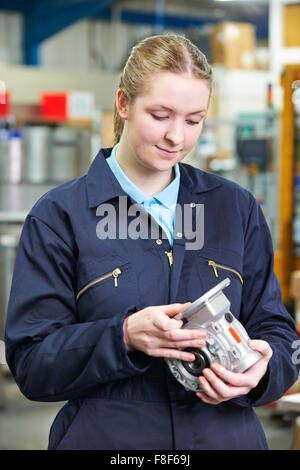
(59, 68)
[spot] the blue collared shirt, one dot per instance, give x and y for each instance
(161, 206)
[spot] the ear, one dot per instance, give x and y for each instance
(121, 104)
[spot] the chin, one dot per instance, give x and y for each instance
(162, 166)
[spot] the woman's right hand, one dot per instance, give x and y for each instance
(153, 332)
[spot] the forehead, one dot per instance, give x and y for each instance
(176, 91)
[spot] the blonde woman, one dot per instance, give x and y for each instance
(105, 261)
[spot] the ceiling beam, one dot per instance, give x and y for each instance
(182, 22)
(44, 18)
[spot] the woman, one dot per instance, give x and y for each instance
(96, 282)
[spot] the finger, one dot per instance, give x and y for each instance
(261, 346)
(173, 354)
(208, 389)
(207, 399)
(164, 323)
(179, 339)
(196, 343)
(248, 379)
(233, 378)
(184, 334)
(222, 390)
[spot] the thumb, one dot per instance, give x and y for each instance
(261, 346)
(173, 309)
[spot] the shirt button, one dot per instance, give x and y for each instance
(158, 242)
(179, 235)
(192, 204)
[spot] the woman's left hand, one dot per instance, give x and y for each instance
(220, 384)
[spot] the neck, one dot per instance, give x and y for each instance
(149, 180)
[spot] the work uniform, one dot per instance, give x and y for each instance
(73, 287)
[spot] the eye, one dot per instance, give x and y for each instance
(193, 123)
(158, 118)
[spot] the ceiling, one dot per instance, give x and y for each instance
(44, 18)
(195, 12)
(236, 9)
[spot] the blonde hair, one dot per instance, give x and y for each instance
(168, 52)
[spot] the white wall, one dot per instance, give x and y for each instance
(92, 45)
(27, 83)
(11, 31)
(68, 48)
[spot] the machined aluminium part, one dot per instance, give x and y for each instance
(226, 340)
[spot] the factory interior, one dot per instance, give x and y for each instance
(60, 62)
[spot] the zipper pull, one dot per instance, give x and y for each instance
(212, 263)
(115, 274)
(170, 257)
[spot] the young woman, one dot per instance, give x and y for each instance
(96, 282)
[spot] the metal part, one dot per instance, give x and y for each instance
(226, 341)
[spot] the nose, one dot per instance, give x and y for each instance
(175, 133)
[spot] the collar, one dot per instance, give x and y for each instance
(167, 197)
(195, 180)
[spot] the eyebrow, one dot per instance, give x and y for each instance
(170, 109)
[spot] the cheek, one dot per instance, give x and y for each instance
(149, 133)
(193, 135)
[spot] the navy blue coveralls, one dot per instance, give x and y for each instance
(64, 332)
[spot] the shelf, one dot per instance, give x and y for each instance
(31, 114)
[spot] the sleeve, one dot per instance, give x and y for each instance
(50, 353)
(264, 315)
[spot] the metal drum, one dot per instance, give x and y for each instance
(11, 156)
(37, 145)
(63, 164)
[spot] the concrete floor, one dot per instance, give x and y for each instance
(24, 424)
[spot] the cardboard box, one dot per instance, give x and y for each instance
(107, 129)
(291, 20)
(295, 294)
(295, 285)
(233, 45)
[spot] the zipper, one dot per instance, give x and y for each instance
(170, 258)
(115, 274)
(220, 266)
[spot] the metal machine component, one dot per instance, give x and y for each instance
(226, 341)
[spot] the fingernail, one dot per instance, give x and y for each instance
(191, 358)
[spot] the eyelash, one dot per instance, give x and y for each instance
(161, 118)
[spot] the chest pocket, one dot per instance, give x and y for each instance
(105, 287)
(217, 267)
(214, 266)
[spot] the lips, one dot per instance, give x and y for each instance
(166, 152)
